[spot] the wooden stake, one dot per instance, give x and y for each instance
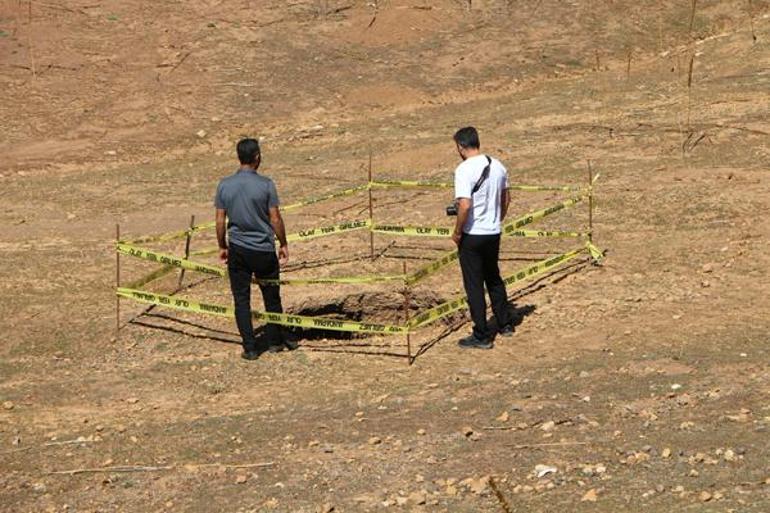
(186, 249)
(628, 64)
(407, 294)
(692, 16)
(371, 209)
(117, 282)
(29, 42)
(590, 203)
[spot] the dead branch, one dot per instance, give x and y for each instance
(143, 468)
(500, 497)
(374, 17)
(551, 444)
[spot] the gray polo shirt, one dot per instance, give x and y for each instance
(247, 196)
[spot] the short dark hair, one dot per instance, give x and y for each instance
(467, 137)
(248, 151)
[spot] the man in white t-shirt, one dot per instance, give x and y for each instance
(481, 190)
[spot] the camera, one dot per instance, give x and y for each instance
(451, 210)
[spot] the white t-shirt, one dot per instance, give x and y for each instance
(486, 203)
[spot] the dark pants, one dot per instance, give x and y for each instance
(478, 261)
(242, 264)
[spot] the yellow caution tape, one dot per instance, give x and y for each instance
(432, 231)
(535, 234)
(329, 230)
(421, 231)
(524, 220)
(172, 262)
(537, 188)
(342, 280)
(388, 184)
(539, 214)
(181, 234)
(596, 253)
(158, 273)
(163, 258)
(301, 321)
(460, 303)
(432, 267)
(318, 199)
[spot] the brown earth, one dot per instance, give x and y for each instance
(645, 382)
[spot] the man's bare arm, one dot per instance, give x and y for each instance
(221, 217)
(463, 210)
(506, 201)
(280, 231)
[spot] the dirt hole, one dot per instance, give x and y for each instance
(375, 308)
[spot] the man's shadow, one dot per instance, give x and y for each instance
(516, 314)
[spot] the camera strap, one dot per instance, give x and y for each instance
(484, 175)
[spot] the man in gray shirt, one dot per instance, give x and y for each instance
(248, 201)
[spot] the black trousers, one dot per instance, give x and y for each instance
(242, 264)
(478, 260)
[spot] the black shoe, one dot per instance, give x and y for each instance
(506, 331)
(275, 348)
(290, 345)
(474, 343)
(251, 354)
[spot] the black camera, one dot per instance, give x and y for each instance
(451, 210)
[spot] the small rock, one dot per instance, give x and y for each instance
(503, 417)
(678, 489)
(418, 498)
(666, 453)
(120, 428)
(375, 440)
(241, 479)
(704, 496)
(421, 432)
(584, 374)
(589, 496)
(8, 405)
(201, 133)
(548, 426)
(478, 486)
(729, 455)
(707, 268)
(543, 470)
(325, 508)
(467, 431)
(132, 400)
